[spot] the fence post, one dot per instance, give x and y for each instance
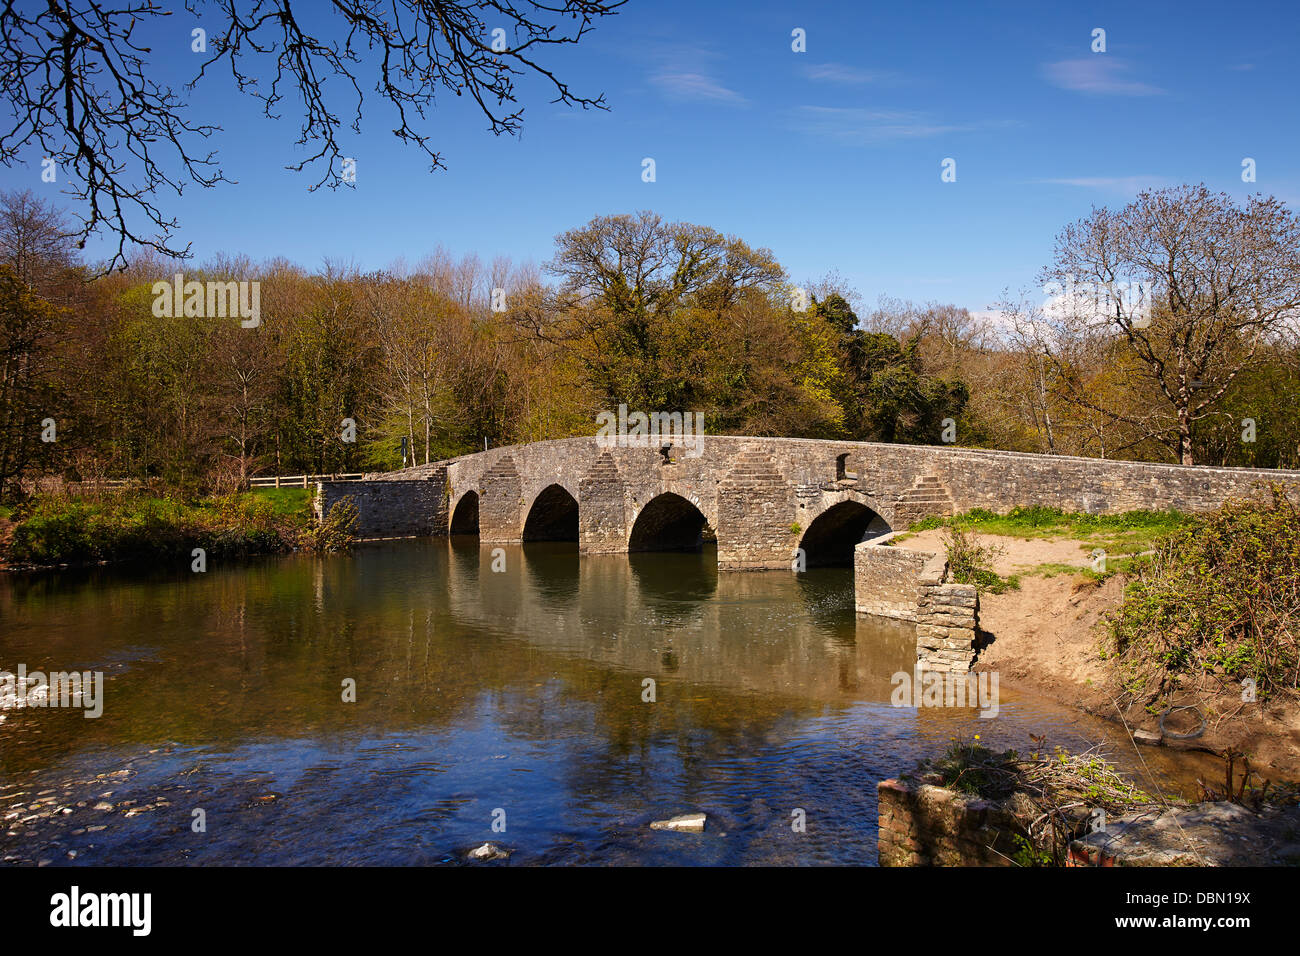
(277, 481)
(304, 481)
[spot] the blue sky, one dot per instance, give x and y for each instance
(830, 157)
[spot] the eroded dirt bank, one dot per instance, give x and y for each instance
(1049, 636)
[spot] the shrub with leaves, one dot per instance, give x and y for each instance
(337, 530)
(130, 526)
(970, 562)
(1220, 598)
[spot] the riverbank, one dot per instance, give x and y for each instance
(974, 806)
(1046, 630)
(60, 531)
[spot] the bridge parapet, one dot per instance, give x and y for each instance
(766, 497)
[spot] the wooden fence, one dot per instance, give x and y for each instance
(299, 481)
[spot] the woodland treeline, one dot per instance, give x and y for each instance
(661, 316)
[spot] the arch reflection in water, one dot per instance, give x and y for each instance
(660, 615)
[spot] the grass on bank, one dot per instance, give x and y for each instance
(1123, 537)
(1127, 533)
(136, 525)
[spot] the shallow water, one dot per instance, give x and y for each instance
(480, 696)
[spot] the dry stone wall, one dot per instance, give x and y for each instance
(887, 579)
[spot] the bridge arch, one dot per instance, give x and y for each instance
(553, 516)
(464, 517)
(833, 534)
(667, 522)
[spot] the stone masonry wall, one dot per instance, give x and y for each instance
(946, 625)
(911, 585)
(924, 825)
(887, 580)
(390, 509)
(752, 491)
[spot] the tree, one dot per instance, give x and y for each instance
(884, 389)
(34, 239)
(628, 285)
(1215, 282)
(80, 85)
(422, 336)
(27, 325)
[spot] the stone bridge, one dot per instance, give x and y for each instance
(762, 499)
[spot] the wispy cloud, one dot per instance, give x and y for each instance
(1128, 185)
(686, 85)
(857, 125)
(848, 75)
(1100, 73)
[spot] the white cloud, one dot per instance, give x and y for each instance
(857, 125)
(686, 85)
(1099, 73)
(848, 75)
(1124, 185)
(852, 124)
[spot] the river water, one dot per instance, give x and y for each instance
(514, 697)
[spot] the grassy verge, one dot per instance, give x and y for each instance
(1127, 539)
(57, 530)
(1127, 533)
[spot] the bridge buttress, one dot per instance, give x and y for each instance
(500, 507)
(602, 509)
(755, 505)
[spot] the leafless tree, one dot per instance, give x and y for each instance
(80, 85)
(1222, 280)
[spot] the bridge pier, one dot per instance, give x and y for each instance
(500, 505)
(602, 509)
(754, 516)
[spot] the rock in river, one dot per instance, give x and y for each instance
(687, 822)
(488, 851)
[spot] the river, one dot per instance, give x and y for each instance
(516, 697)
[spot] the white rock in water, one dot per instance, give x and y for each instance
(688, 822)
(488, 851)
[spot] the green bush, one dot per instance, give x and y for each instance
(1221, 597)
(56, 530)
(337, 531)
(969, 562)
